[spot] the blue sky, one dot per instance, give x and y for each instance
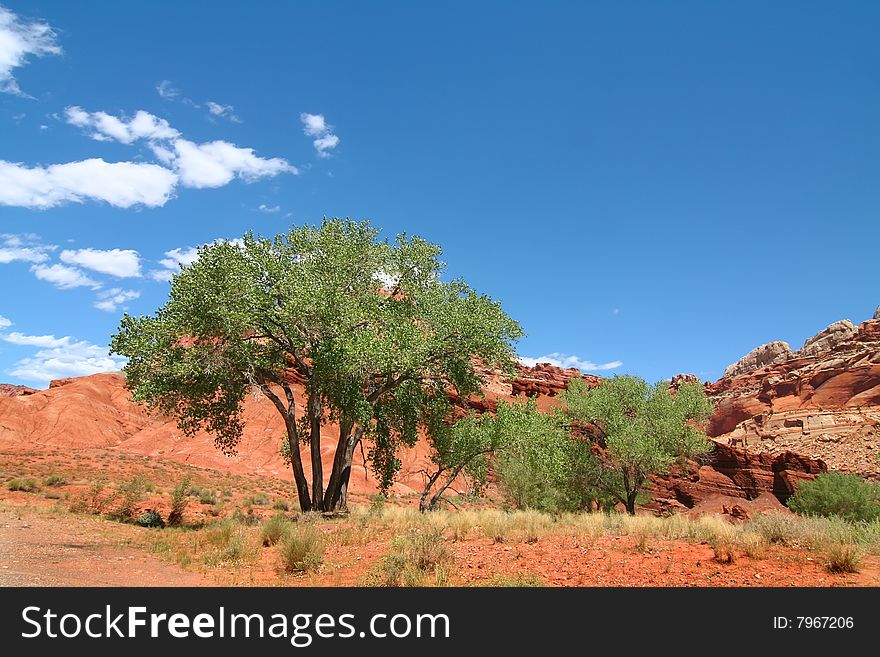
(650, 187)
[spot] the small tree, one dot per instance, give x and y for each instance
(847, 496)
(641, 429)
(467, 445)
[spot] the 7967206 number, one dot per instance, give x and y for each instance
(824, 622)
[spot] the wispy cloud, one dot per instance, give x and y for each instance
(64, 277)
(222, 111)
(315, 125)
(567, 361)
(167, 90)
(269, 209)
(19, 39)
(24, 247)
(110, 300)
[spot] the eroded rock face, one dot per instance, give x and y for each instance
(9, 390)
(766, 354)
(823, 401)
(733, 473)
(826, 340)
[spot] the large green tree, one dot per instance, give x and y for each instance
(366, 326)
(641, 429)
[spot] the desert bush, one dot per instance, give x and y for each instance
(496, 525)
(530, 525)
(247, 519)
(54, 480)
(753, 545)
(94, 500)
(414, 557)
(302, 549)
(257, 499)
(179, 502)
(150, 518)
(23, 485)
(846, 496)
(230, 543)
(843, 558)
(274, 529)
(377, 503)
(208, 497)
(281, 505)
(130, 494)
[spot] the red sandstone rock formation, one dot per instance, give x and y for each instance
(8, 390)
(822, 400)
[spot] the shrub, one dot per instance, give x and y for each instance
(247, 519)
(302, 549)
(496, 525)
(208, 497)
(23, 485)
(179, 502)
(231, 543)
(94, 500)
(281, 505)
(274, 529)
(843, 558)
(377, 504)
(257, 499)
(415, 556)
(150, 518)
(130, 494)
(54, 480)
(837, 494)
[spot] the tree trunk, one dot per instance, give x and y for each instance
(631, 502)
(341, 500)
(332, 493)
(314, 413)
(424, 504)
(299, 476)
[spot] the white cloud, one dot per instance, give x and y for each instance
(23, 340)
(127, 184)
(216, 163)
(162, 275)
(64, 277)
(269, 209)
(122, 263)
(103, 126)
(19, 39)
(325, 144)
(315, 125)
(121, 184)
(166, 90)
(23, 247)
(5, 323)
(110, 300)
(59, 358)
(173, 261)
(223, 111)
(566, 361)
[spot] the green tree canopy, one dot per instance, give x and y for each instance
(367, 326)
(642, 429)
